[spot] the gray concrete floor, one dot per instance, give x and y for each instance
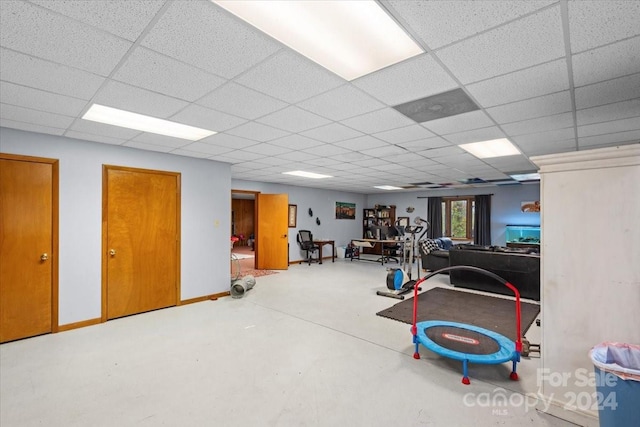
(303, 348)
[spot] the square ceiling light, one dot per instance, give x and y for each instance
(307, 174)
(126, 119)
(350, 38)
(387, 187)
(493, 148)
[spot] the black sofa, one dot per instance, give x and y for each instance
(434, 253)
(520, 267)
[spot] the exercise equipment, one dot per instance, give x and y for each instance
(463, 342)
(399, 280)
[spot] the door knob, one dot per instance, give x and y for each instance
(44, 257)
(112, 252)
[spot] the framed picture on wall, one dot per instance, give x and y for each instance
(403, 221)
(293, 215)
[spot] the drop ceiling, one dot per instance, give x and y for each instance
(551, 76)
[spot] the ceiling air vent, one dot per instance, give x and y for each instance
(438, 106)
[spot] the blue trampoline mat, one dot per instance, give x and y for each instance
(506, 348)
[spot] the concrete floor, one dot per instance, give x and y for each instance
(303, 348)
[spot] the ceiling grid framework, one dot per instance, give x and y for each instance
(551, 76)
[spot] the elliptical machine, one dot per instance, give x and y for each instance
(399, 280)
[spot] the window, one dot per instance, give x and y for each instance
(458, 217)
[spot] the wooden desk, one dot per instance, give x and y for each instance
(321, 243)
(369, 243)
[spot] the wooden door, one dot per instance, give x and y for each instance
(141, 240)
(272, 243)
(28, 246)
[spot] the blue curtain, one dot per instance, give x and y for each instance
(434, 216)
(482, 218)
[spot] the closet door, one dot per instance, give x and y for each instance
(28, 246)
(141, 240)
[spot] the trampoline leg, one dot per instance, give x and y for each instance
(465, 372)
(514, 375)
(416, 354)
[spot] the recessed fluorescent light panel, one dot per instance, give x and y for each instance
(350, 38)
(126, 119)
(307, 174)
(526, 177)
(493, 148)
(387, 187)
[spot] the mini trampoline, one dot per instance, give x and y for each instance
(467, 343)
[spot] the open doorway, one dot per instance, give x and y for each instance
(243, 232)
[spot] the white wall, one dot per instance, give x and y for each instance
(205, 216)
(323, 205)
(505, 205)
(590, 266)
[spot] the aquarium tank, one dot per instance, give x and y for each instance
(523, 234)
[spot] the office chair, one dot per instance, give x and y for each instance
(390, 250)
(305, 240)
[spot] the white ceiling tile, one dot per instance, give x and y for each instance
(126, 19)
(616, 90)
(165, 141)
(210, 149)
(404, 134)
(248, 157)
(615, 126)
(296, 142)
(147, 147)
(520, 44)
(326, 150)
(293, 119)
(6, 123)
(361, 143)
(539, 124)
(150, 70)
(439, 23)
(40, 100)
(341, 103)
(458, 123)
(39, 32)
(297, 156)
(378, 121)
(605, 113)
(390, 85)
(332, 132)
(610, 139)
(228, 141)
(241, 101)
(96, 138)
(384, 152)
(607, 62)
(130, 98)
(289, 77)
(475, 135)
(522, 84)
(435, 153)
(226, 46)
(38, 73)
(595, 23)
(101, 129)
(27, 115)
(559, 102)
(205, 118)
(187, 153)
(266, 149)
(424, 144)
(257, 132)
(544, 137)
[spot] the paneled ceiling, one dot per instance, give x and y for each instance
(552, 76)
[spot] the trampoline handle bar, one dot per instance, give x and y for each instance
(414, 330)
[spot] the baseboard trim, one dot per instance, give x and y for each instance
(82, 324)
(559, 410)
(205, 298)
